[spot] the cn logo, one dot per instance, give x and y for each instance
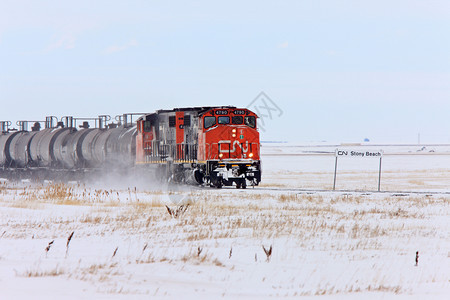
(342, 153)
(244, 149)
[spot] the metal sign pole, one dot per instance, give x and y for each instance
(379, 174)
(335, 169)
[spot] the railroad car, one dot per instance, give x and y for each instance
(216, 146)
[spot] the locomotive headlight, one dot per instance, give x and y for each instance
(233, 135)
(250, 155)
(234, 130)
(220, 155)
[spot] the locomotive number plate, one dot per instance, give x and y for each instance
(239, 112)
(221, 112)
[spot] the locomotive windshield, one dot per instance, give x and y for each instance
(237, 120)
(224, 120)
(250, 121)
(209, 121)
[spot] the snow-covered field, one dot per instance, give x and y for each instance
(325, 245)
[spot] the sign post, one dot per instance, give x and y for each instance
(379, 173)
(357, 154)
(335, 169)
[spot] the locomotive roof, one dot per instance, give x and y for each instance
(199, 109)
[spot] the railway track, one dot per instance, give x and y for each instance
(186, 188)
(347, 192)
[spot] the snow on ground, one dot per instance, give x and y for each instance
(325, 245)
(404, 167)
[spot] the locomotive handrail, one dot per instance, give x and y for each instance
(250, 148)
(182, 152)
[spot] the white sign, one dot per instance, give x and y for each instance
(358, 153)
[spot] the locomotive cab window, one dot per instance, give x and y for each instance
(172, 121)
(250, 121)
(209, 121)
(147, 126)
(187, 121)
(224, 120)
(237, 120)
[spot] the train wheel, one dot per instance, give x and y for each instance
(243, 183)
(198, 176)
(216, 184)
(219, 183)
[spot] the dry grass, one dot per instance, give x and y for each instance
(287, 197)
(196, 258)
(299, 216)
(39, 272)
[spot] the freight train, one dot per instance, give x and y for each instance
(215, 146)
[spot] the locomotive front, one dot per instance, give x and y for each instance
(229, 146)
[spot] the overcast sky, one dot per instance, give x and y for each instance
(337, 71)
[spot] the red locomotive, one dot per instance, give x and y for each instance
(218, 145)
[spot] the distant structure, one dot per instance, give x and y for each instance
(366, 140)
